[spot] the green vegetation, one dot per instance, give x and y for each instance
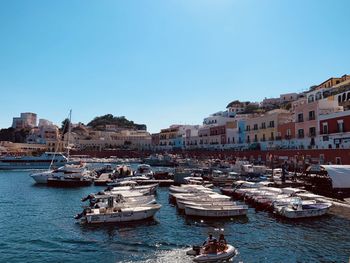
(12, 135)
(120, 122)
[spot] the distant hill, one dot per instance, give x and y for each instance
(120, 122)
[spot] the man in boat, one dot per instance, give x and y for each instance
(209, 240)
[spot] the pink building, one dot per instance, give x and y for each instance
(307, 119)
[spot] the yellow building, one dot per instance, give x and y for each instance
(264, 127)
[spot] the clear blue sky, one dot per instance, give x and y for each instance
(163, 62)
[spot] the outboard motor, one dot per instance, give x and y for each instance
(196, 249)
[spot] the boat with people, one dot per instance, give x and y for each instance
(44, 161)
(213, 250)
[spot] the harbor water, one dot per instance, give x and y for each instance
(37, 225)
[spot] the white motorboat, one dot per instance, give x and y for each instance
(144, 170)
(220, 256)
(107, 200)
(69, 170)
(117, 214)
(296, 209)
(181, 204)
(216, 211)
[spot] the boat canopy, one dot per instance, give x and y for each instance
(340, 175)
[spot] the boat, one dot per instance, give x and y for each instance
(182, 204)
(160, 160)
(118, 214)
(43, 161)
(103, 201)
(67, 171)
(69, 181)
(144, 170)
(296, 209)
(216, 211)
(220, 256)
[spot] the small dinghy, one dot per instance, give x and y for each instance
(220, 256)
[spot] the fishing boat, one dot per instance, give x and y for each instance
(182, 204)
(32, 162)
(216, 211)
(144, 170)
(118, 214)
(119, 200)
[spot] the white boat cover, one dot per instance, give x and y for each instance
(340, 175)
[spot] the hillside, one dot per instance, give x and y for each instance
(120, 122)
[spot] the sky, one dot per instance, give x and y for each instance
(163, 62)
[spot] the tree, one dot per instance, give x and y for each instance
(65, 126)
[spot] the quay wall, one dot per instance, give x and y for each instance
(324, 156)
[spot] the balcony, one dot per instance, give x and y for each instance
(288, 137)
(300, 136)
(278, 138)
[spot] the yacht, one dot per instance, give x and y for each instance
(43, 161)
(67, 171)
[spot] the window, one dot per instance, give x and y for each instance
(248, 139)
(300, 117)
(339, 99)
(311, 115)
(263, 137)
(310, 99)
(301, 133)
(325, 128)
(272, 124)
(344, 97)
(248, 128)
(348, 96)
(340, 126)
(263, 125)
(312, 131)
(255, 138)
(289, 132)
(318, 95)
(272, 136)
(255, 126)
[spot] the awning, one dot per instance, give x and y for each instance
(340, 175)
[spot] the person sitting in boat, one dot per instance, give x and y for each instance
(222, 242)
(212, 247)
(209, 240)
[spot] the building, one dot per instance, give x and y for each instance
(306, 116)
(332, 82)
(262, 129)
(288, 97)
(334, 130)
(26, 120)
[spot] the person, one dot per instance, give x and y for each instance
(222, 242)
(212, 247)
(209, 240)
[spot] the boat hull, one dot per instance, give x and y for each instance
(217, 257)
(215, 213)
(67, 182)
(124, 215)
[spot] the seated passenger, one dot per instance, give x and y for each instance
(222, 242)
(209, 240)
